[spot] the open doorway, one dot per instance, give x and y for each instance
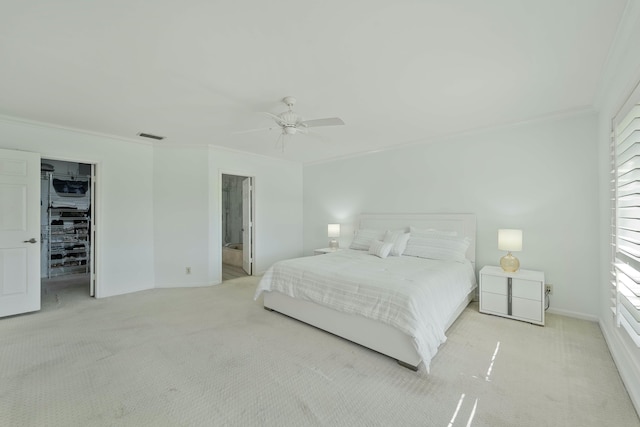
(237, 226)
(67, 239)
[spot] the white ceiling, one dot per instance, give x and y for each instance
(396, 72)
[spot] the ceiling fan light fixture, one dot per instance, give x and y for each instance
(289, 130)
(289, 118)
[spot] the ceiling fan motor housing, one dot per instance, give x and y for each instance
(289, 101)
(289, 118)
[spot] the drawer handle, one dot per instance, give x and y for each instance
(509, 295)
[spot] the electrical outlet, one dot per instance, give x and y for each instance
(188, 270)
(548, 289)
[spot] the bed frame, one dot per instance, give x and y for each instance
(370, 333)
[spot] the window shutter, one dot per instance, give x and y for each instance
(625, 222)
(612, 226)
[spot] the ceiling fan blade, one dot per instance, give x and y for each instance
(274, 117)
(329, 121)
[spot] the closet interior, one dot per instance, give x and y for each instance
(65, 218)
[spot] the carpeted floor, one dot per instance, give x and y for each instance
(213, 356)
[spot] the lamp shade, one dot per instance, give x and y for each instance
(333, 230)
(510, 240)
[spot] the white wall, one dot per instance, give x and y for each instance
(278, 205)
(124, 187)
(539, 177)
(621, 75)
(181, 216)
(159, 208)
(187, 216)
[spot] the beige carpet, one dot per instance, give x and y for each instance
(213, 356)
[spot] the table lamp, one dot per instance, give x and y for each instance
(509, 240)
(333, 231)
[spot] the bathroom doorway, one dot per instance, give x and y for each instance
(237, 226)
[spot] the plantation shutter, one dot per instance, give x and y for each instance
(625, 223)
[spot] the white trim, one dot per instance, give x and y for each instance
(629, 19)
(628, 366)
(96, 209)
(471, 132)
(218, 241)
(574, 314)
(34, 123)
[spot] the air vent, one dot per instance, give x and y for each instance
(152, 136)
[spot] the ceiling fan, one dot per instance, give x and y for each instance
(291, 123)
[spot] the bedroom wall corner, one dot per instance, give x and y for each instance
(538, 176)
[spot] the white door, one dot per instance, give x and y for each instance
(92, 235)
(19, 232)
(247, 224)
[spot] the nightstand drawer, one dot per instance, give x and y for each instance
(325, 251)
(494, 284)
(527, 309)
(519, 287)
(522, 308)
(526, 289)
(493, 303)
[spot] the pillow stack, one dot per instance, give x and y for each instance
(364, 238)
(380, 248)
(421, 243)
(398, 239)
(434, 244)
(380, 243)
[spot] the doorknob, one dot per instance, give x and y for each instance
(31, 240)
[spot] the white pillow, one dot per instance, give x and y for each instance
(434, 246)
(380, 249)
(399, 241)
(363, 238)
(431, 231)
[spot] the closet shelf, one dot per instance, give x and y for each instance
(67, 231)
(67, 251)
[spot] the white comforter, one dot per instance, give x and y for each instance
(417, 296)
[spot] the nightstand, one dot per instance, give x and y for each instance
(325, 251)
(518, 295)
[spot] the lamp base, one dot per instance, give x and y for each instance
(333, 244)
(509, 263)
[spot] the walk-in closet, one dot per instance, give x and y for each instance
(66, 219)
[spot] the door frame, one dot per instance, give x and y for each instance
(218, 240)
(96, 216)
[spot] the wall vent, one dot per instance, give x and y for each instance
(152, 136)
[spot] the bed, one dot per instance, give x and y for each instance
(399, 306)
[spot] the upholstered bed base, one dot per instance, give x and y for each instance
(369, 333)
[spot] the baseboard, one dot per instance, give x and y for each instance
(182, 285)
(627, 365)
(102, 294)
(574, 314)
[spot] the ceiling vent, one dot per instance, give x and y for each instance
(151, 136)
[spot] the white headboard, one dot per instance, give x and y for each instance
(463, 224)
